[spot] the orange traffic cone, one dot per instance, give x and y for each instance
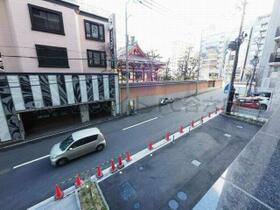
(209, 114)
(113, 166)
(128, 156)
(120, 163)
(78, 181)
(202, 119)
(150, 146)
(192, 124)
(58, 193)
(99, 172)
(167, 136)
(181, 129)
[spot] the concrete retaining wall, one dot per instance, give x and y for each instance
(149, 94)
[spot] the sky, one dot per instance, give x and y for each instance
(173, 21)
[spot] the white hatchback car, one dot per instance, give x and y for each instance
(77, 144)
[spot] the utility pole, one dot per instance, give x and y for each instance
(126, 60)
(236, 47)
(246, 56)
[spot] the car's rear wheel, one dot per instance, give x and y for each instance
(100, 147)
(62, 162)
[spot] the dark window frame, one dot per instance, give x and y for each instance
(34, 28)
(38, 47)
(96, 65)
(99, 39)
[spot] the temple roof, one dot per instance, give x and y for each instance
(136, 54)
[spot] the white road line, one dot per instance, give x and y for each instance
(31, 161)
(139, 123)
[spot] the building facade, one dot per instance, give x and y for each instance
(255, 45)
(31, 102)
(270, 61)
(212, 52)
(58, 67)
(55, 36)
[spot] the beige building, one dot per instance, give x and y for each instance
(55, 36)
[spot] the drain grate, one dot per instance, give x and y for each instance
(182, 196)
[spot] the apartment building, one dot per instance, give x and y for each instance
(55, 36)
(58, 62)
(212, 56)
(270, 61)
(255, 46)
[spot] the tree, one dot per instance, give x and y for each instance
(166, 73)
(188, 65)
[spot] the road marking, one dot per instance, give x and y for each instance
(139, 123)
(31, 161)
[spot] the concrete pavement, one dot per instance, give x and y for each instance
(33, 182)
(180, 173)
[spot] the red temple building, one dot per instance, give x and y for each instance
(142, 68)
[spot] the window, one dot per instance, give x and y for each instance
(84, 141)
(89, 139)
(46, 20)
(49, 56)
(94, 31)
(96, 58)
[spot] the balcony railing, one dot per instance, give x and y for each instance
(277, 34)
(274, 57)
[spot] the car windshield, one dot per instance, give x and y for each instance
(65, 143)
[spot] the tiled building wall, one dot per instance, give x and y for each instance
(31, 92)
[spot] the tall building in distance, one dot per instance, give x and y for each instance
(212, 55)
(270, 61)
(255, 46)
(216, 61)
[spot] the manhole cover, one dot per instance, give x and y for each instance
(173, 204)
(127, 192)
(136, 205)
(182, 196)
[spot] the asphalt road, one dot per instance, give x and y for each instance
(26, 176)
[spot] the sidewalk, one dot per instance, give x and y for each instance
(176, 176)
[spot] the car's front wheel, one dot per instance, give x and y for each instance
(100, 147)
(62, 162)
